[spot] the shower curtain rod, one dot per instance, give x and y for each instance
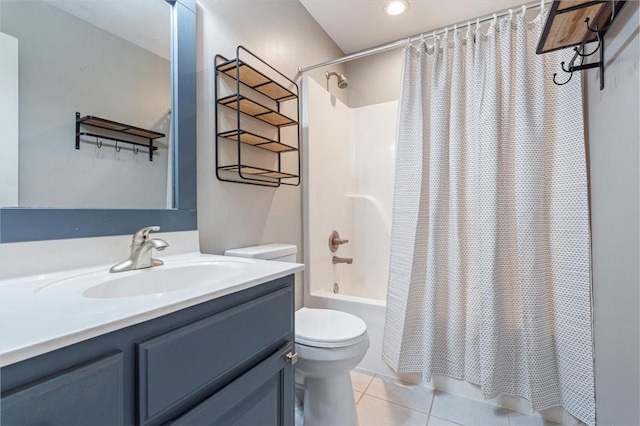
(403, 42)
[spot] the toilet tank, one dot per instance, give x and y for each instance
(279, 252)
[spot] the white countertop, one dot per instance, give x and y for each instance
(39, 314)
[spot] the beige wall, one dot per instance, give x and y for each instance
(611, 121)
(375, 79)
(286, 36)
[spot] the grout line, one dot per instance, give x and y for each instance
(369, 384)
(399, 405)
(433, 399)
(446, 420)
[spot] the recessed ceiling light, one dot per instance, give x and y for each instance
(396, 7)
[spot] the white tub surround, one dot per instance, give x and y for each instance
(349, 155)
(40, 313)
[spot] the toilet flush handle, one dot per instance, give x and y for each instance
(292, 358)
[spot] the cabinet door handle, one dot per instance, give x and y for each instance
(292, 358)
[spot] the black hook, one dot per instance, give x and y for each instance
(561, 84)
(136, 150)
(564, 69)
(584, 55)
(601, 30)
(99, 142)
(117, 147)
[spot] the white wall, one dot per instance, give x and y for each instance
(613, 138)
(611, 121)
(9, 118)
(329, 158)
(373, 167)
(351, 160)
(67, 65)
(283, 33)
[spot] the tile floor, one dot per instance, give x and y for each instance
(381, 401)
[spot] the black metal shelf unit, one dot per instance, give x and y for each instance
(250, 79)
(114, 126)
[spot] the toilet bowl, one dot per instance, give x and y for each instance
(329, 345)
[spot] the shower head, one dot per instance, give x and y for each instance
(342, 80)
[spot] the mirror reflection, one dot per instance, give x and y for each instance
(104, 59)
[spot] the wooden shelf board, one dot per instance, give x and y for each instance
(256, 80)
(256, 140)
(119, 127)
(257, 171)
(565, 26)
(256, 110)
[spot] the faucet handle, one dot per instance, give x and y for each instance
(143, 235)
(335, 241)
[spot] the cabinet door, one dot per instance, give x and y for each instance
(261, 397)
(174, 367)
(89, 394)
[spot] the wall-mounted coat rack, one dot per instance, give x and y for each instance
(114, 126)
(578, 23)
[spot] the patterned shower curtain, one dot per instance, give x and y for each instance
(489, 275)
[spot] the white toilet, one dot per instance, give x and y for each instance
(329, 345)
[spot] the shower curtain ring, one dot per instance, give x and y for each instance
(98, 142)
(495, 19)
(136, 150)
(117, 147)
(524, 9)
(510, 14)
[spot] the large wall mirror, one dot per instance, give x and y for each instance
(130, 63)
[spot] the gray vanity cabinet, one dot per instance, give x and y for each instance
(254, 399)
(55, 400)
(221, 362)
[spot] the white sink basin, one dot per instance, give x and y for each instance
(152, 281)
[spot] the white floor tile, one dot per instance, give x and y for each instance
(468, 411)
(519, 419)
(360, 381)
(409, 395)
(357, 395)
(436, 421)
(376, 412)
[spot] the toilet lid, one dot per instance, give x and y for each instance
(326, 328)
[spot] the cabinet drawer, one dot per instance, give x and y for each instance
(260, 397)
(89, 394)
(176, 365)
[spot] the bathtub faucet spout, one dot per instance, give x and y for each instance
(346, 260)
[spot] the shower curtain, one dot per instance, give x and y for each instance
(489, 275)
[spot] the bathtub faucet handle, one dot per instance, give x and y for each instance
(335, 241)
(338, 241)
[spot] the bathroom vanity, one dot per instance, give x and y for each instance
(226, 358)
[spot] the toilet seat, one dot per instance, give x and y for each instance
(326, 328)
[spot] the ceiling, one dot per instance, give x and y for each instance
(359, 24)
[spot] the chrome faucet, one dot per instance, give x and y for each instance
(141, 248)
(347, 260)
